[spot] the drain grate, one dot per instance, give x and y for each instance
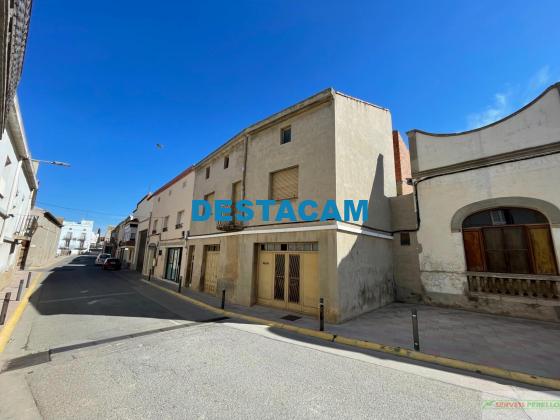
(291, 317)
(27, 361)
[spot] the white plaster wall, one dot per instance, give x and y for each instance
(442, 259)
(536, 125)
(168, 202)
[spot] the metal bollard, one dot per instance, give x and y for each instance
(180, 284)
(223, 298)
(150, 274)
(321, 314)
(4, 311)
(415, 336)
(28, 280)
(20, 288)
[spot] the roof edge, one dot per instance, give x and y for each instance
(315, 99)
(507, 117)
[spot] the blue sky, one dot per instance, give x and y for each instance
(105, 81)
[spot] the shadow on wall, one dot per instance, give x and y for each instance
(365, 272)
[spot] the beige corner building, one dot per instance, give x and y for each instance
(328, 147)
(487, 232)
(169, 223)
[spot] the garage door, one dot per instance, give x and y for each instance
(288, 280)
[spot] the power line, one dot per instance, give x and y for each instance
(42, 203)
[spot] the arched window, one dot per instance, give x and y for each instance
(509, 240)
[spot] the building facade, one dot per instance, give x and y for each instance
(126, 240)
(327, 147)
(142, 214)
(75, 237)
(487, 232)
(44, 242)
(170, 222)
(18, 187)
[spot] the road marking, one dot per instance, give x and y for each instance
(86, 297)
(6, 332)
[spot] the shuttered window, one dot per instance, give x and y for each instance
(284, 184)
(517, 241)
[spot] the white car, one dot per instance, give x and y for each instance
(100, 260)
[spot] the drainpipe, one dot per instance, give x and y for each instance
(245, 147)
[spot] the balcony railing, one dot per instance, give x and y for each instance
(28, 227)
(231, 226)
(521, 285)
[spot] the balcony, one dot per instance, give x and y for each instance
(231, 226)
(27, 228)
(178, 226)
(516, 285)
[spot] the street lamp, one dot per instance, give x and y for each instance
(51, 162)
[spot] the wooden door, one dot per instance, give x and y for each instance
(544, 261)
(474, 250)
(211, 272)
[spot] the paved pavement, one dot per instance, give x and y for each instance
(94, 344)
(511, 343)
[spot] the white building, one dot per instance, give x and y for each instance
(18, 186)
(487, 232)
(75, 237)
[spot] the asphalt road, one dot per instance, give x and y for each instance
(96, 344)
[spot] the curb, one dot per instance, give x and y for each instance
(9, 327)
(511, 375)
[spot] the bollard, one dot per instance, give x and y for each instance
(180, 284)
(223, 298)
(28, 279)
(321, 315)
(415, 336)
(7, 297)
(20, 288)
(150, 274)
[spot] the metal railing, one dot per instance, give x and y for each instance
(27, 227)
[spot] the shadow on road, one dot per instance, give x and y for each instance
(82, 288)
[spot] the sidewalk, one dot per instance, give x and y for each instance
(12, 287)
(515, 344)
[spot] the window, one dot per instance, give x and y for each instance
(210, 199)
(158, 199)
(208, 172)
(154, 230)
(165, 223)
(405, 238)
(286, 135)
(179, 222)
(184, 184)
(509, 240)
(284, 184)
(170, 191)
(213, 247)
(290, 246)
(226, 162)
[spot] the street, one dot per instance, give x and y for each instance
(104, 345)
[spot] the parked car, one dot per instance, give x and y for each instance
(112, 264)
(100, 260)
